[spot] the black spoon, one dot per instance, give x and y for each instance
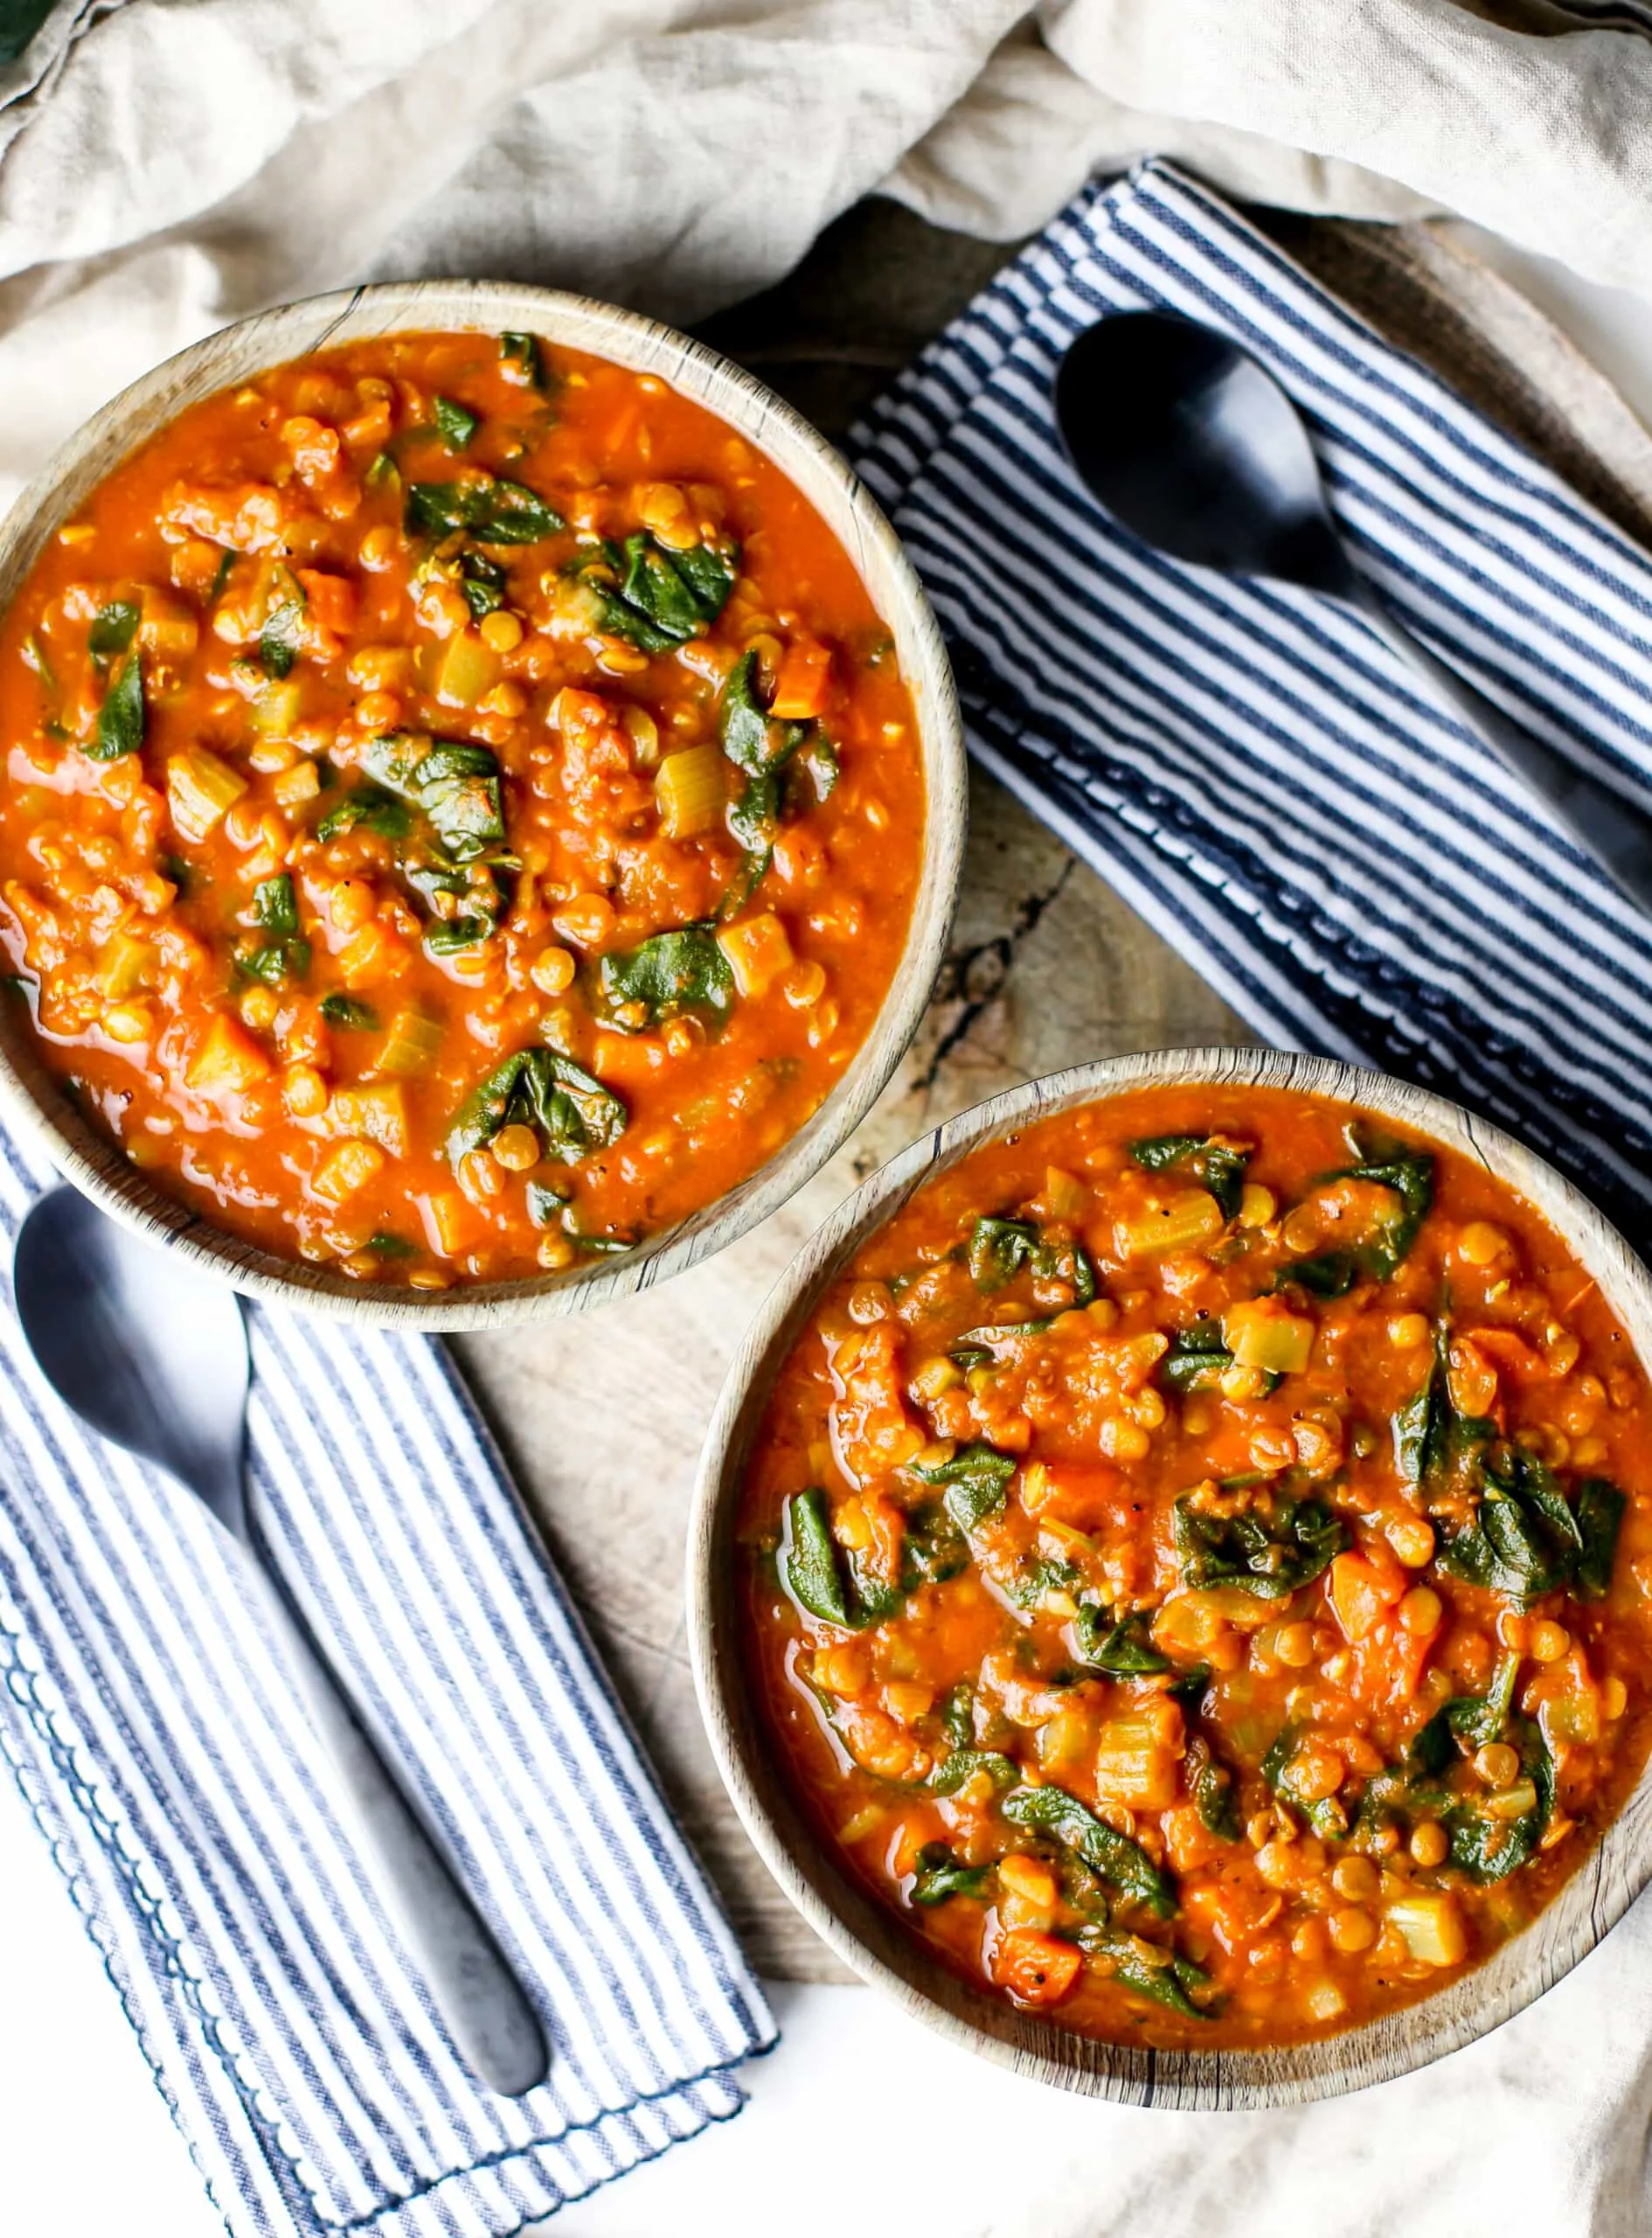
(151, 1353)
(1193, 446)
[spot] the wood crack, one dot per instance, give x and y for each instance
(973, 978)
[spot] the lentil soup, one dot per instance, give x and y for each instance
(462, 811)
(1197, 1566)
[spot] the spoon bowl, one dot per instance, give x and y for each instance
(1195, 447)
(150, 1351)
(1190, 444)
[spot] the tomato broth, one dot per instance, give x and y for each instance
(461, 809)
(1198, 1566)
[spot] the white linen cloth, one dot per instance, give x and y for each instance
(166, 165)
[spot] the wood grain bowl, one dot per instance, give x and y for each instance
(868, 1935)
(239, 353)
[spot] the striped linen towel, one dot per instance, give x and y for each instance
(169, 1765)
(1251, 767)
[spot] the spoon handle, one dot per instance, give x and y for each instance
(493, 2025)
(1605, 822)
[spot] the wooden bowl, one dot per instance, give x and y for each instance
(457, 306)
(869, 1934)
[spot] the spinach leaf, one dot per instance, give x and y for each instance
(1525, 1539)
(457, 785)
(940, 1875)
(958, 1715)
(572, 1113)
(493, 512)
(345, 1010)
(1328, 1273)
(999, 1249)
(1410, 1174)
(975, 1482)
(1214, 1165)
(372, 808)
(112, 629)
(809, 1567)
(274, 963)
(1053, 1811)
(754, 819)
(750, 737)
(481, 582)
(819, 1578)
(933, 1549)
(1043, 1573)
(663, 598)
(1600, 1507)
(963, 1764)
(455, 425)
(278, 640)
(523, 351)
(1189, 1688)
(120, 726)
(1119, 1647)
(1165, 1979)
(1433, 1441)
(1325, 1814)
(1484, 1844)
(284, 955)
(1214, 1795)
(1268, 1550)
(451, 935)
(669, 972)
(1198, 1358)
(1474, 1719)
(817, 759)
(274, 904)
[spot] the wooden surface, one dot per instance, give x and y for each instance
(87, 1156)
(603, 1416)
(867, 1933)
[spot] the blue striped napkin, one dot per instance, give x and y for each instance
(167, 1764)
(1252, 768)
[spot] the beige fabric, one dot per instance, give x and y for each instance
(168, 165)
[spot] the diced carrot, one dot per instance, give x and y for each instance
(916, 1827)
(1511, 1352)
(1078, 1492)
(1362, 1593)
(800, 689)
(1036, 1969)
(332, 599)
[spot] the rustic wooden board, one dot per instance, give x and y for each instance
(603, 1416)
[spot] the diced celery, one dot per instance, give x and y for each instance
(1133, 1765)
(124, 965)
(689, 791)
(1261, 1333)
(410, 1043)
(462, 669)
(200, 791)
(1190, 1218)
(276, 709)
(1432, 1926)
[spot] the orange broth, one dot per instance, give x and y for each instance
(460, 810)
(1199, 1567)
